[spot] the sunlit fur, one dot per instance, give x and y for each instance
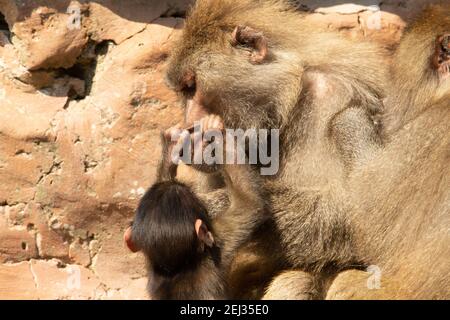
(402, 198)
(345, 196)
(416, 84)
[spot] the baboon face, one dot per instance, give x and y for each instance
(224, 68)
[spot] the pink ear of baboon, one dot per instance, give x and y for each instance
(255, 40)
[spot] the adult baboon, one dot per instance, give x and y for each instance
(340, 199)
(258, 64)
(402, 198)
(420, 69)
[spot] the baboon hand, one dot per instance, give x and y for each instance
(210, 134)
(172, 132)
(212, 123)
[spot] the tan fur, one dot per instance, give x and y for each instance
(416, 84)
(404, 193)
(292, 285)
(343, 197)
(256, 263)
(356, 285)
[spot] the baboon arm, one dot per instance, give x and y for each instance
(246, 211)
(200, 182)
(356, 135)
(167, 170)
(216, 202)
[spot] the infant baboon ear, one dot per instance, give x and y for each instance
(127, 237)
(203, 234)
(441, 60)
(252, 39)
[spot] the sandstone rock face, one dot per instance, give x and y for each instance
(82, 103)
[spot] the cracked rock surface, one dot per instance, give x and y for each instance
(82, 102)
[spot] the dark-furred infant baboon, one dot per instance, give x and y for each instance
(189, 254)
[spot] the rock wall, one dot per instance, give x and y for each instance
(82, 102)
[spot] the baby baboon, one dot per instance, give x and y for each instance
(341, 198)
(189, 254)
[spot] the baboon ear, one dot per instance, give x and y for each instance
(128, 240)
(441, 59)
(203, 234)
(252, 39)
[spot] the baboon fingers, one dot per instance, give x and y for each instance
(211, 122)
